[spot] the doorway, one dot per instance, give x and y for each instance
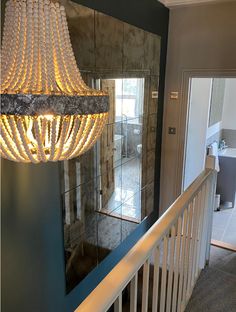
(212, 126)
(121, 149)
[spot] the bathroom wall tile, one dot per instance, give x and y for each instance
(230, 137)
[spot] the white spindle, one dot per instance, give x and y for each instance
(171, 269)
(183, 240)
(145, 285)
(211, 195)
(195, 237)
(200, 230)
(187, 254)
(191, 249)
(176, 269)
(133, 293)
(155, 292)
(163, 274)
(118, 304)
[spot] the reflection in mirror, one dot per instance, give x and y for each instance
(109, 190)
(217, 100)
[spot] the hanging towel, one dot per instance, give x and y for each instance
(213, 151)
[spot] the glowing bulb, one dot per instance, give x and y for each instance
(48, 117)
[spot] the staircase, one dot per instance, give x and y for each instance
(161, 270)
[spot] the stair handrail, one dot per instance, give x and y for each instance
(107, 292)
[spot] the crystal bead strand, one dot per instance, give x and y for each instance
(72, 65)
(35, 75)
(25, 140)
(11, 146)
(40, 148)
(16, 135)
(28, 51)
(30, 47)
(70, 88)
(20, 61)
(92, 132)
(59, 77)
(74, 144)
(49, 49)
(6, 42)
(18, 64)
(15, 16)
(84, 136)
(60, 143)
(39, 49)
(100, 124)
(78, 84)
(42, 45)
(54, 127)
(72, 141)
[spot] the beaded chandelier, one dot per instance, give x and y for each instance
(47, 111)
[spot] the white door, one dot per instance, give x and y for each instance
(199, 107)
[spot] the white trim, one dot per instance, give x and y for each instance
(214, 129)
(187, 74)
(175, 3)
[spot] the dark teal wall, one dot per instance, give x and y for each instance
(32, 239)
(32, 259)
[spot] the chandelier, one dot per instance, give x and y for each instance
(48, 113)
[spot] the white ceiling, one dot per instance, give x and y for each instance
(174, 3)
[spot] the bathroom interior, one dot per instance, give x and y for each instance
(212, 105)
(108, 191)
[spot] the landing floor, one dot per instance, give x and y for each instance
(215, 290)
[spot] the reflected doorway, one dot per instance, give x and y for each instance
(121, 149)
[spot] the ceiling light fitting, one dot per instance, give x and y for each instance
(48, 113)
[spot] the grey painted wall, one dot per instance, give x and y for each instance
(201, 38)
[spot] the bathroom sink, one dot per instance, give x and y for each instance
(228, 152)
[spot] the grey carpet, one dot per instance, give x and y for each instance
(215, 290)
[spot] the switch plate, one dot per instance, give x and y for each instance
(171, 130)
(174, 95)
(154, 94)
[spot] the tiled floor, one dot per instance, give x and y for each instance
(126, 199)
(224, 225)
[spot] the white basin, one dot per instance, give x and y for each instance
(228, 152)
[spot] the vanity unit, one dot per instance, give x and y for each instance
(226, 181)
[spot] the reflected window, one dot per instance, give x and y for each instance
(129, 97)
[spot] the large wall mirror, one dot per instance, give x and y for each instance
(108, 191)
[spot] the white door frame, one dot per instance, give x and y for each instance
(184, 112)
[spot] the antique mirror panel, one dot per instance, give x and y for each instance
(108, 191)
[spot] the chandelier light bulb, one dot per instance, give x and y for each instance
(48, 113)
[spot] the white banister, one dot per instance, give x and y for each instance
(176, 247)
